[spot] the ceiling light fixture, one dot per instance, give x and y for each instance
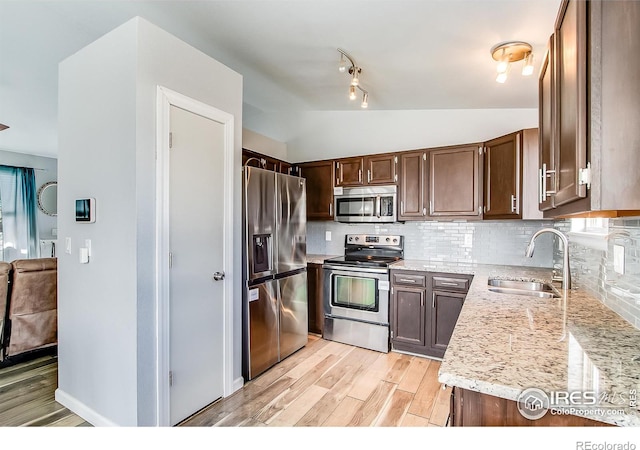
(355, 72)
(509, 52)
(3, 126)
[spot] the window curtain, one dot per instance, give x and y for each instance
(18, 206)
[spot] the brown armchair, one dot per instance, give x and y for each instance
(33, 305)
(5, 268)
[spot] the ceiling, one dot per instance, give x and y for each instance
(425, 54)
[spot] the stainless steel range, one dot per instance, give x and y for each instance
(356, 291)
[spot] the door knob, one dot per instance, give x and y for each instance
(218, 276)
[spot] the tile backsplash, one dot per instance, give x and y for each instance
(486, 242)
(592, 266)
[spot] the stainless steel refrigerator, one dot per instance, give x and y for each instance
(275, 273)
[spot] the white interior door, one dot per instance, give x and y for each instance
(196, 237)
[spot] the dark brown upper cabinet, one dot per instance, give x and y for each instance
(412, 185)
(455, 182)
(349, 171)
(570, 144)
(591, 93)
(381, 169)
(319, 176)
(546, 92)
(503, 177)
(367, 170)
(254, 159)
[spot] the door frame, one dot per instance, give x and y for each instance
(165, 99)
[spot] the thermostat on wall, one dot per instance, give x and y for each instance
(86, 210)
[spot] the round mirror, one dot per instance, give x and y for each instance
(48, 198)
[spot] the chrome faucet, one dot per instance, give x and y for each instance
(566, 271)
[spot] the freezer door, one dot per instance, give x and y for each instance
(260, 204)
(293, 313)
(261, 329)
(291, 223)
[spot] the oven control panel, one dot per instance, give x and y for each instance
(376, 240)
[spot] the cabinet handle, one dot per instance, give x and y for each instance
(540, 188)
(546, 174)
(330, 209)
(514, 207)
(368, 176)
(359, 176)
(402, 208)
(406, 280)
(448, 283)
(422, 301)
(433, 300)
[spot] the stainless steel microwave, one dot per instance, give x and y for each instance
(365, 204)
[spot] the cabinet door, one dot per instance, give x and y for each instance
(349, 172)
(571, 101)
(412, 186)
(454, 182)
(546, 90)
(444, 312)
(380, 169)
(409, 316)
(285, 167)
(319, 176)
(503, 177)
(315, 298)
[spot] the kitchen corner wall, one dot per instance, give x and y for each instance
(592, 266)
(486, 242)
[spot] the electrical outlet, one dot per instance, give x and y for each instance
(468, 240)
(618, 259)
(327, 235)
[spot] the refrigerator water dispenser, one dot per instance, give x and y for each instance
(261, 253)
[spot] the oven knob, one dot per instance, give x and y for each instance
(350, 239)
(395, 240)
(388, 239)
(357, 238)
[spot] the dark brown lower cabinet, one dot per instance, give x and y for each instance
(424, 309)
(445, 309)
(473, 409)
(314, 298)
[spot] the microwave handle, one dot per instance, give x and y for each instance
(378, 206)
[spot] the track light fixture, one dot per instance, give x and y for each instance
(509, 52)
(355, 72)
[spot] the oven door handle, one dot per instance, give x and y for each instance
(378, 206)
(355, 271)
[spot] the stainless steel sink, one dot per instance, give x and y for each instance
(530, 288)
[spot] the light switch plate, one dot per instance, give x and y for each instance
(327, 235)
(618, 259)
(67, 245)
(468, 240)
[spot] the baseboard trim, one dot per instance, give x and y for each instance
(79, 408)
(237, 384)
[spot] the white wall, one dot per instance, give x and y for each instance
(107, 125)
(46, 169)
(263, 144)
(315, 135)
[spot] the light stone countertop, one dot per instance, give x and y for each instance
(504, 343)
(319, 259)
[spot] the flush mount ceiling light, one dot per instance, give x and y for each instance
(354, 71)
(510, 52)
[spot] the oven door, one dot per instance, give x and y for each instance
(358, 294)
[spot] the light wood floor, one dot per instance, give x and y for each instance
(332, 384)
(324, 384)
(27, 396)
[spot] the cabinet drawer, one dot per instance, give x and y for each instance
(409, 279)
(451, 284)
